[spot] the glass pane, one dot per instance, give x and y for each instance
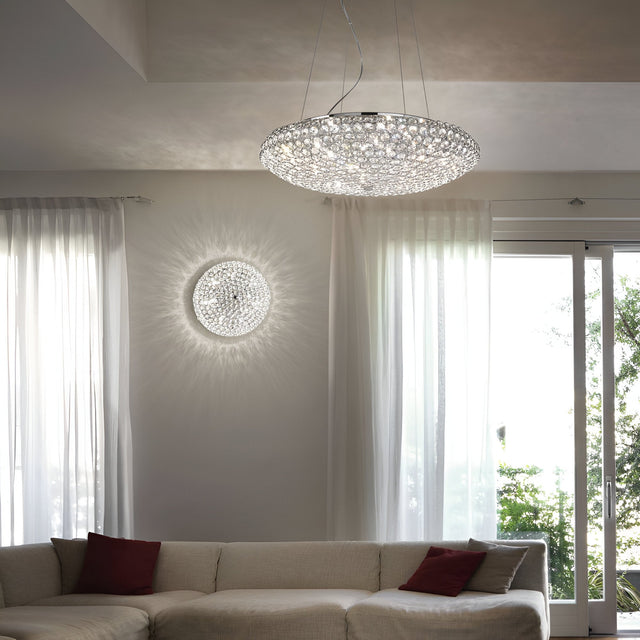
(532, 406)
(627, 403)
(595, 533)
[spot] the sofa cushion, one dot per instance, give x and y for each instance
(472, 615)
(299, 565)
(1, 599)
(119, 566)
(187, 566)
(74, 623)
(496, 572)
(71, 555)
(190, 566)
(444, 571)
(29, 572)
(152, 603)
(261, 614)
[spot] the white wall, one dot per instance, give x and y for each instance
(230, 436)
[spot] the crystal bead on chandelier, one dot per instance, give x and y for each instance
(369, 153)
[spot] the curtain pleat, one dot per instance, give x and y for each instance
(409, 445)
(65, 432)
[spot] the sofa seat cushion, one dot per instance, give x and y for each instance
(74, 623)
(152, 604)
(472, 615)
(261, 614)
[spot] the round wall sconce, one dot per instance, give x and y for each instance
(231, 298)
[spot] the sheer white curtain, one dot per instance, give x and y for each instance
(65, 433)
(410, 450)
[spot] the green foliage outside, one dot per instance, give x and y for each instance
(627, 597)
(524, 508)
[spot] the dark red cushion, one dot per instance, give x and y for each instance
(444, 571)
(119, 566)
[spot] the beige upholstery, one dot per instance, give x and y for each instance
(407, 615)
(152, 604)
(29, 572)
(74, 623)
(267, 591)
(259, 614)
(71, 556)
(299, 565)
(187, 565)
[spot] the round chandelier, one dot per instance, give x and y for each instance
(369, 154)
(231, 298)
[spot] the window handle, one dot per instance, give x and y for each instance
(608, 495)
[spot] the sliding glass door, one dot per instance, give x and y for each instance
(600, 434)
(565, 406)
(538, 410)
(622, 572)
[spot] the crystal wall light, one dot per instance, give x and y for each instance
(231, 298)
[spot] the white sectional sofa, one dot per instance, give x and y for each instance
(267, 591)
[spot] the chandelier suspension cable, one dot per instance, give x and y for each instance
(404, 102)
(415, 35)
(313, 60)
(344, 71)
(355, 37)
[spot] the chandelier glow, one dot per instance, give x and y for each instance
(369, 154)
(231, 298)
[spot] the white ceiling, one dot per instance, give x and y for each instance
(543, 85)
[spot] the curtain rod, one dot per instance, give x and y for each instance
(576, 201)
(141, 199)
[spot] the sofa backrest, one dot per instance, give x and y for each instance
(399, 560)
(187, 565)
(299, 565)
(29, 572)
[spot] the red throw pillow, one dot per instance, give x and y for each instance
(444, 571)
(118, 566)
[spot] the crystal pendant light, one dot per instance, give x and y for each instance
(369, 153)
